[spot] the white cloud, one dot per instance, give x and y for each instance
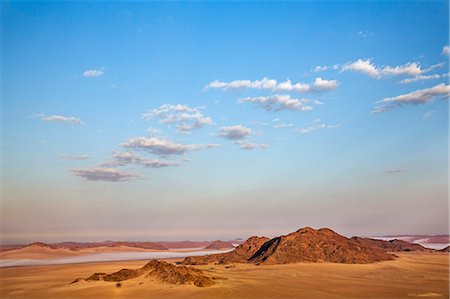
(322, 84)
(70, 120)
(250, 145)
(93, 73)
(288, 86)
(317, 125)
(366, 66)
(319, 68)
(75, 157)
(420, 96)
(281, 126)
(186, 118)
(363, 66)
(163, 147)
(235, 132)
(409, 69)
(264, 83)
(446, 50)
(423, 77)
(103, 174)
(280, 102)
(271, 84)
(126, 158)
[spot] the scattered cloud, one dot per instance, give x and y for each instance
(70, 120)
(408, 69)
(271, 84)
(235, 132)
(163, 147)
(446, 50)
(264, 83)
(103, 174)
(250, 145)
(319, 68)
(423, 77)
(93, 73)
(394, 170)
(362, 66)
(126, 158)
(279, 102)
(75, 157)
(186, 118)
(322, 68)
(317, 125)
(281, 126)
(366, 66)
(421, 96)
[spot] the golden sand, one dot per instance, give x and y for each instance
(413, 275)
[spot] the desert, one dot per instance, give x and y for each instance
(307, 263)
(412, 275)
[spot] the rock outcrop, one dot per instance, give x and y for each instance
(323, 245)
(240, 255)
(157, 270)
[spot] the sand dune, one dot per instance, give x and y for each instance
(412, 275)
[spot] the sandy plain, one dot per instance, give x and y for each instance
(412, 275)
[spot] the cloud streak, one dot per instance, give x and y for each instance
(317, 125)
(93, 73)
(250, 145)
(423, 78)
(186, 118)
(163, 147)
(103, 174)
(318, 85)
(280, 102)
(126, 158)
(421, 96)
(235, 132)
(75, 157)
(366, 66)
(68, 120)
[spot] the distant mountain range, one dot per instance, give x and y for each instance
(159, 246)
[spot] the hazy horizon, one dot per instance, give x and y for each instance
(222, 120)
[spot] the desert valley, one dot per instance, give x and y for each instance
(307, 263)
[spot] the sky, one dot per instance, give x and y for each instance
(219, 120)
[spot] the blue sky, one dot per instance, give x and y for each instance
(202, 120)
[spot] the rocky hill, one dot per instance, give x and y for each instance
(157, 270)
(240, 255)
(304, 245)
(323, 245)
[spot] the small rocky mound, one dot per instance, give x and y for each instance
(323, 245)
(159, 270)
(240, 255)
(392, 245)
(218, 245)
